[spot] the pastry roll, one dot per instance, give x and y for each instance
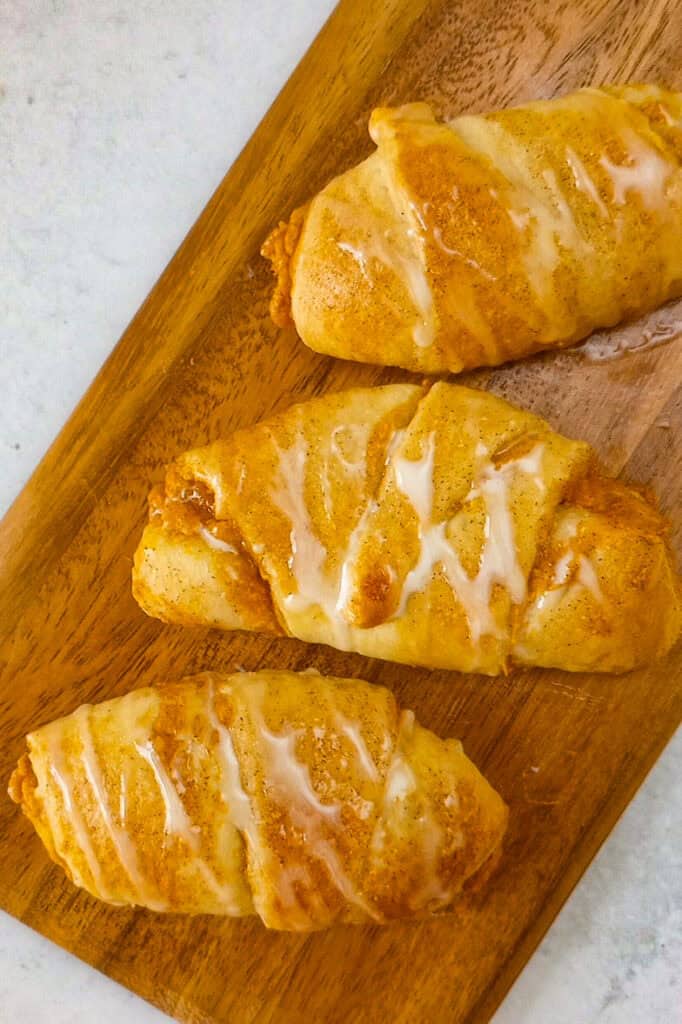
(306, 800)
(432, 526)
(489, 237)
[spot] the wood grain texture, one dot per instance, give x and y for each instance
(201, 358)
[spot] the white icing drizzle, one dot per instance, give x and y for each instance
(546, 222)
(568, 526)
(542, 217)
(119, 835)
(235, 798)
(559, 215)
(223, 893)
(531, 464)
(215, 542)
(352, 731)
(584, 182)
(347, 445)
(345, 592)
(421, 214)
(402, 784)
(646, 173)
(177, 822)
(397, 438)
(469, 310)
(52, 734)
(666, 115)
(290, 775)
(498, 561)
(472, 314)
(437, 236)
(308, 555)
(414, 275)
(656, 328)
(400, 780)
(549, 600)
(519, 218)
(333, 592)
(562, 569)
(415, 478)
(547, 225)
(359, 257)
(289, 783)
(543, 254)
(356, 437)
(406, 262)
(572, 570)
(588, 578)
(325, 851)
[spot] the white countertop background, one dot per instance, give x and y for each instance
(117, 120)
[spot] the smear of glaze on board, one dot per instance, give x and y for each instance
(654, 329)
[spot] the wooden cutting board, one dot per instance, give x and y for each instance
(201, 358)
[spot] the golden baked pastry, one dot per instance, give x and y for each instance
(432, 526)
(487, 238)
(302, 799)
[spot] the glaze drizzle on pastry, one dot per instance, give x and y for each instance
(422, 525)
(303, 799)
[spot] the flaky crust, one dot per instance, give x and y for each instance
(439, 527)
(491, 237)
(304, 799)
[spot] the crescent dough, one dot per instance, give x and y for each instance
(303, 799)
(439, 527)
(492, 236)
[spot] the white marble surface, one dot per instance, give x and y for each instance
(117, 119)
